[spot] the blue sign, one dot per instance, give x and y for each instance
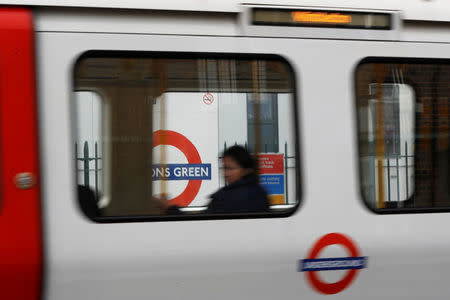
(181, 172)
(272, 183)
(335, 263)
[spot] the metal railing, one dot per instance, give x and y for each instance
(86, 159)
(397, 170)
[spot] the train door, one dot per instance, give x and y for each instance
(198, 95)
(20, 217)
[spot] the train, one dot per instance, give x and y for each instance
(110, 110)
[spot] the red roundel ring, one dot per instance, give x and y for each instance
(179, 141)
(313, 277)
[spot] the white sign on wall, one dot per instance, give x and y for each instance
(185, 153)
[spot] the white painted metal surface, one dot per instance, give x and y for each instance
(181, 23)
(233, 259)
(437, 10)
(135, 21)
(239, 259)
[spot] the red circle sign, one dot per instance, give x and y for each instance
(208, 98)
(179, 141)
(313, 277)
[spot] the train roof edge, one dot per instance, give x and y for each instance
(422, 10)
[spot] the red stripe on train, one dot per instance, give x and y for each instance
(20, 216)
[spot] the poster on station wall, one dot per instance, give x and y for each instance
(271, 176)
(185, 148)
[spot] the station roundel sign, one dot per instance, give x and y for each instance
(312, 264)
(179, 141)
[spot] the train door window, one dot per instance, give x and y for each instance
(404, 134)
(152, 130)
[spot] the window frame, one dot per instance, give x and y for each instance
(287, 212)
(387, 60)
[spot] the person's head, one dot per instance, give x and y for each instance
(237, 163)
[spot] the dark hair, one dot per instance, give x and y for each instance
(241, 156)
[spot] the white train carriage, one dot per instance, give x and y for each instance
(108, 108)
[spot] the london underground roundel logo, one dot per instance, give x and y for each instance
(194, 171)
(312, 264)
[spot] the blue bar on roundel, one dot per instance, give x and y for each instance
(336, 263)
(181, 172)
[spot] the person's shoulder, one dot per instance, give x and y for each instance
(219, 193)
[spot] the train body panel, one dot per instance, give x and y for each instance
(412, 9)
(113, 256)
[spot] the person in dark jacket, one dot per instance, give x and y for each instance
(243, 193)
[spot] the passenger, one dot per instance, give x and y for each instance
(242, 194)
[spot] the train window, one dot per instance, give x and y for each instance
(404, 134)
(152, 130)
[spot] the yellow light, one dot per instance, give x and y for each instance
(320, 17)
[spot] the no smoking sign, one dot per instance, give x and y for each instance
(208, 98)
